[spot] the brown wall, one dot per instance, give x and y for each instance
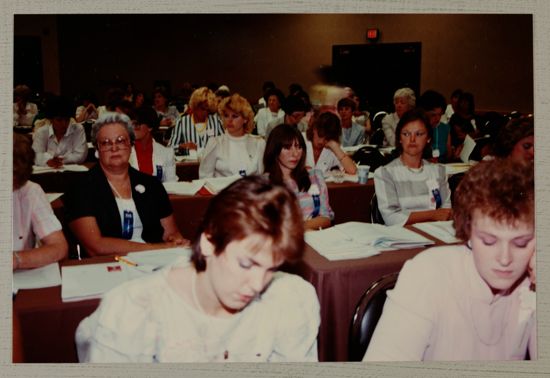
(488, 55)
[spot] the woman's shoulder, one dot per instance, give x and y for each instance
(31, 189)
(438, 260)
(290, 289)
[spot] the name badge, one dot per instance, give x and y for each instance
(435, 153)
(433, 189)
(128, 224)
(159, 172)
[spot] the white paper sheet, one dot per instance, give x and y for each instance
(160, 257)
(88, 281)
(53, 196)
(37, 278)
(469, 145)
(68, 167)
(442, 230)
(183, 187)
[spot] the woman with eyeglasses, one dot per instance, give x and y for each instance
(114, 208)
(410, 189)
(229, 303)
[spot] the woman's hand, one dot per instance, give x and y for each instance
(55, 162)
(166, 122)
(177, 241)
(333, 145)
(188, 145)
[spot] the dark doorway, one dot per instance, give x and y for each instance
(27, 62)
(376, 71)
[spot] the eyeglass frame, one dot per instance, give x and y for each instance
(121, 142)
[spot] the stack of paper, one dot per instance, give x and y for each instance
(80, 282)
(442, 230)
(67, 167)
(37, 278)
(216, 184)
(53, 196)
(357, 240)
(454, 168)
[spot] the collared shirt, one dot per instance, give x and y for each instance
(72, 146)
(33, 217)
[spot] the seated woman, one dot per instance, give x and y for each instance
(60, 140)
(403, 101)
(460, 127)
(284, 161)
(433, 103)
(33, 217)
(352, 133)
(274, 99)
(24, 111)
(323, 150)
(168, 114)
(114, 208)
(410, 189)
(237, 151)
(471, 301)
(193, 130)
(229, 304)
(516, 139)
(86, 111)
(147, 155)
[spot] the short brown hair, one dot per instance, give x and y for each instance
(23, 160)
(252, 205)
(502, 189)
(327, 125)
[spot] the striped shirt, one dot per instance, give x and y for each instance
(401, 190)
(305, 199)
(185, 131)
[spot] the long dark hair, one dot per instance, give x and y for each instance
(284, 136)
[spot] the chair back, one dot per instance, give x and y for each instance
(370, 156)
(375, 215)
(366, 316)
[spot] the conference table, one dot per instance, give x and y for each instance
(47, 325)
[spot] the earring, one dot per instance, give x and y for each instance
(96, 154)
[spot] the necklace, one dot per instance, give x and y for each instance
(200, 130)
(201, 309)
(117, 194)
(414, 170)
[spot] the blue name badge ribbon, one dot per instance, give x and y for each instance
(159, 172)
(128, 224)
(316, 205)
(437, 197)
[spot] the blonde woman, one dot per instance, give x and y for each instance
(193, 130)
(236, 151)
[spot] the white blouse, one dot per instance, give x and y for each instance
(145, 320)
(226, 155)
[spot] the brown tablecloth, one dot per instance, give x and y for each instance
(48, 325)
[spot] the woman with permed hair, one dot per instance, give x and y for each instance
(193, 130)
(404, 100)
(229, 303)
(236, 152)
(323, 150)
(33, 217)
(475, 300)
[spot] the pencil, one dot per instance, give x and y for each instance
(126, 261)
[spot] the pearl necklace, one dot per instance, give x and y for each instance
(414, 170)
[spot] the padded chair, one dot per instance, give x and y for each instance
(370, 156)
(375, 215)
(366, 316)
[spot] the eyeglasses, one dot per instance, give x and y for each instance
(107, 144)
(408, 134)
